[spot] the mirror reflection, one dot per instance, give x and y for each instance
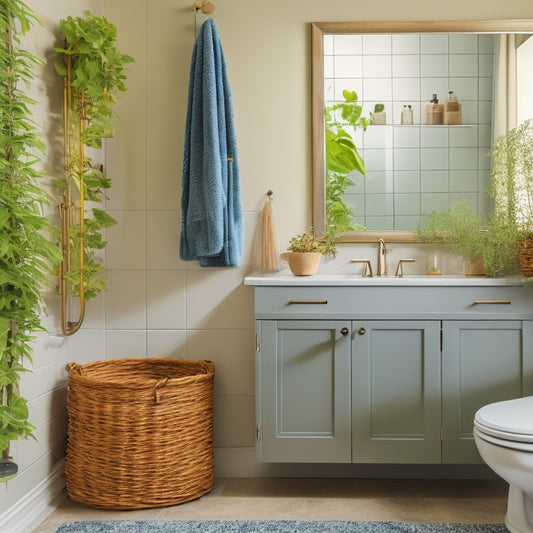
(404, 117)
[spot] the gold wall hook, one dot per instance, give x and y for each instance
(204, 6)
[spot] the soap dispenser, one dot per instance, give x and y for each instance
(435, 111)
(407, 115)
(452, 110)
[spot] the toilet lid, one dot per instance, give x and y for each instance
(510, 419)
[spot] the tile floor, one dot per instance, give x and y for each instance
(465, 501)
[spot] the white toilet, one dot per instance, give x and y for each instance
(503, 433)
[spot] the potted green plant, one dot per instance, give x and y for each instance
(504, 238)
(489, 244)
(306, 250)
(460, 228)
(28, 249)
(378, 115)
(342, 158)
(511, 187)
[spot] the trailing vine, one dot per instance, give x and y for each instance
(26, 253)
(96, 69)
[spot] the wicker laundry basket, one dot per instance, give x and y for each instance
(140, 432)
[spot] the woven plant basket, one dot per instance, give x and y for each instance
(525, 257)
(140, 432)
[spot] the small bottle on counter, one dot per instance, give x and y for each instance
(452, 110)
(407, 115)
(435, 111)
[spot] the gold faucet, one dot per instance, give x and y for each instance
(399, 269)
(382, 256)
(367, 269)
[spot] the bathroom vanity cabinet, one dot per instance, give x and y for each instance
(385, 371)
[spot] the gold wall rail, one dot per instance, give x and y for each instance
(72, 211)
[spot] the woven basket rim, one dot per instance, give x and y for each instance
(205, 369)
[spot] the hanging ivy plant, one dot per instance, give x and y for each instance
(95, 67)
(26, 253)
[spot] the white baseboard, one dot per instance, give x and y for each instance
(35, 506)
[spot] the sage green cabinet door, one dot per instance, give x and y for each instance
(482, 362)
(304, 391)
(396, 392)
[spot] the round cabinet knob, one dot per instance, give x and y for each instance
(345, 331)
(361, 331)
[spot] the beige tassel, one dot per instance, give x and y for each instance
(267, 253)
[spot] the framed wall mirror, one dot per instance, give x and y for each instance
(420, 162)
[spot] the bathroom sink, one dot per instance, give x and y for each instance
(285, 278)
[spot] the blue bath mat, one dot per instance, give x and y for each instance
(270, 526)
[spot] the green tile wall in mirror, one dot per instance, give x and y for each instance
(417, 163)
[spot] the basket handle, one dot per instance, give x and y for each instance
(74, 366)
(159, 384)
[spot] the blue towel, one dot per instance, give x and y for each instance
(212, 220)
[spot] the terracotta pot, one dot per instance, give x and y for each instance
(302, 263)
(475, 266)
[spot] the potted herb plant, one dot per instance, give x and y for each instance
(504, 238)
(511, 186)
(463, 230)
(489, 244)
(306, 251)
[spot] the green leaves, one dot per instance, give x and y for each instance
(342, 159)
(341, 154)
(97, 70)
(26, 254)
(308, 242)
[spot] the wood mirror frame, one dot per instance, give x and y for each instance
(318, 30)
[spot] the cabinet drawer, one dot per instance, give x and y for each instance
(424, 302)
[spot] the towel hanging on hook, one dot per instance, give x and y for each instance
(212, 229)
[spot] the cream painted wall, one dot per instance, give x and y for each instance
(157, 305)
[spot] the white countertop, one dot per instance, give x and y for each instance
(286, 278)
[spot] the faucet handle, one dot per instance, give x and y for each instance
(367, 270)
(399, 269)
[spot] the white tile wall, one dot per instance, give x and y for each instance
(167, 343)
(344, 44)
(126, 300)
(126, 158)
(121, 344)
(447, 161)
(228, 350)
(234, 421)
(209, 298)
(166, 299)
(127, 240)
(162, 244)
(405, 43)
(86, 345)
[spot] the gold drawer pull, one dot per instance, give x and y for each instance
(492, 302)
(319, 302)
